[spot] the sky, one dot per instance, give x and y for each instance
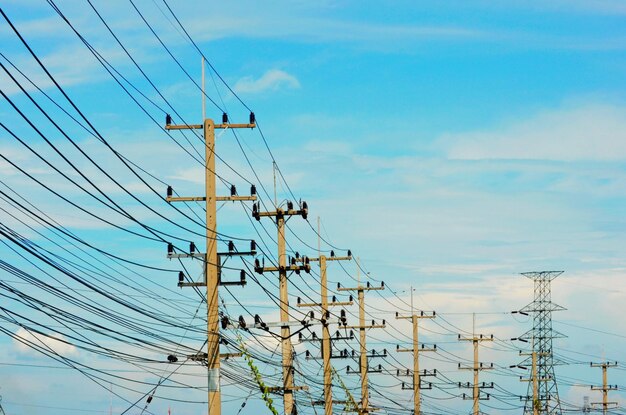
(450, 145)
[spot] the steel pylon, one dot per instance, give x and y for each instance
(547, 400)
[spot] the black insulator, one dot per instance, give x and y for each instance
(297, 255)
(233, 190)
(384, 352)
(170, 191)
(293, 261)
(373, 323)
(334, 299)
(225, 322)
(231, 246)
(289, 205)
(382, 284)
(170, 248)
(181, 277)
(332, 254)
(305, 210)
(397, 347)
(307, 260)
(350, 297)
(168, 119)
(149, 399)
(252, 118)
(342, 313)
(242, 276)
(308, 354)
(257, 319)
(192, 247)
(368, 284)
(253, 190)
(349, 253)
(242, 322)
(299, 300)
(300, 336)
(253, 246)
(224, 118)
(172, 359)
(338, 285)
(383, 322)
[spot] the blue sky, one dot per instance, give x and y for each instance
(450, 145)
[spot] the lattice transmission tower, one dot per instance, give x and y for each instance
(543, 394)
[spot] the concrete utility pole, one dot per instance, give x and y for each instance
(362, 327)
(325, 319)
(417, 386)
(534, 378)
(211, 266)
(605, 388)
(280, 214)
(476, 368)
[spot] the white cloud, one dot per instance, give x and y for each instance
(594, 131)
(55, 342)
(274, 79)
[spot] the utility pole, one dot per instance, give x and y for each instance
(325, 319)
(211, 260)
(417, 386)
(476, 368)
(281, 214)
(537, 406)
(605, 388)
(362, 327)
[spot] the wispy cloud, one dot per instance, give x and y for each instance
(586, 132)
(272, 80)
(55, 342)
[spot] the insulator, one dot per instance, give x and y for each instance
(231, 246)
(168, 119)
(233, 190)
(170, 248)
(181, 277)
(305, 210)
(297, 255)
(149, 399)
(253, 190)
(224, 118)
(242, 276)
(172, 359)
(253, 246)
(293, 261)
(373, 323)
(314, 335)
(349, 253)
(350, 297)
(289, 205)
(257, 319)
(225, 322)
(384, 352)
(382, 284)
(170, 191)
(338, 285)
(300, 336)
(306, 260)
(312, 314)
(242, 322)
(334, 299)
(351, 334)
(342, 313)
(192, 247)
(332, 254)
(252, 118)
(368, 284)
(383, 322)
(397, 347)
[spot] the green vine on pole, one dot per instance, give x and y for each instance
(265, 394)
